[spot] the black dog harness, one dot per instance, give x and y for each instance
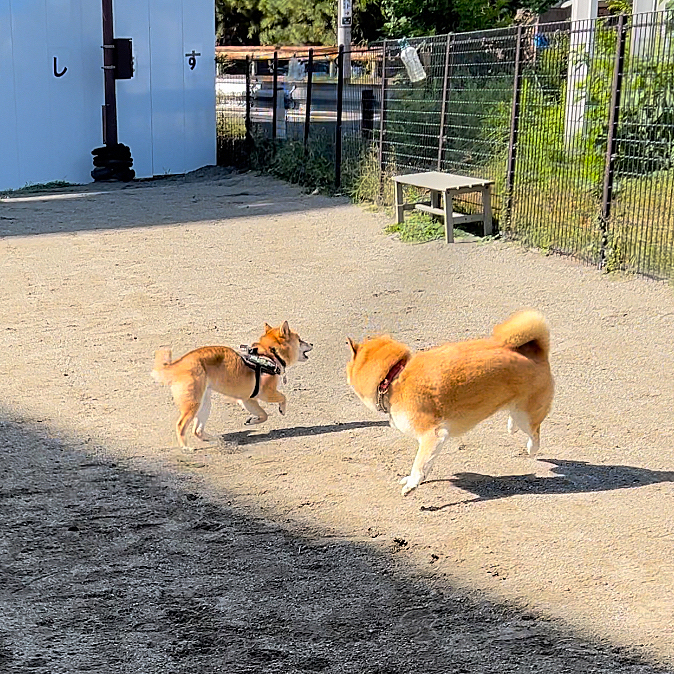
(261, 364)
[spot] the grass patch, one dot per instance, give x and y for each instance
(420, 228)
(36, 188)
(288, 160)
(314, 167)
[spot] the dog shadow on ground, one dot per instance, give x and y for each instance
(249, 437)
(574, 477)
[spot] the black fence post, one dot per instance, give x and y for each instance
(514, 127)
(110, 106)
(445, 91)
(307, 114)
(367, 113)
(249, 135)
(274, 97)
(382, 117)
(612, 140)
(338, 126)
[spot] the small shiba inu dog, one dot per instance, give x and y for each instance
(447, 390)
(239, 379)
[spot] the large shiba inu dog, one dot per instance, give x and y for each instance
(445, 391)
(240, 378)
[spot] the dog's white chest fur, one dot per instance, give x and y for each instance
(401, 422)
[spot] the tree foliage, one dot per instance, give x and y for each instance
(276, 21)
(313, 22)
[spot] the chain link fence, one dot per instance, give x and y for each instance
(573, 122)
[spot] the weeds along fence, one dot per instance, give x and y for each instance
(573, 122)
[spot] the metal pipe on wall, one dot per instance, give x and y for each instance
(110, 106)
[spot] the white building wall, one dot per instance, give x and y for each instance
(166, 112)
(75, 99)
(199, 84)
(9, 149)
(134, 105)
(52, 122)
(168, 100)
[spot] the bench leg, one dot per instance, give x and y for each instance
(435, 201)
(400, 210)
(449, 218)
(486, 208)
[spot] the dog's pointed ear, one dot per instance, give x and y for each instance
(354, 345)
(285, 329)
(267, 328)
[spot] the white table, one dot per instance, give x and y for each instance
(449, 186)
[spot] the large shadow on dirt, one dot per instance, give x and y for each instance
(575, 477)
(109, 570)
(249, 437)
(97, 206)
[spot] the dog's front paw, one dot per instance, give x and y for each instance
(532, 447)
(282, 408)
(202, 435)
(252, 421)
(408, 484)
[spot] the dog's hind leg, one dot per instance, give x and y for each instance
(522, 420)
(188, 411)
(202, 416)
(188, 398)
(258, 415)
(538, 408)
(430, 444)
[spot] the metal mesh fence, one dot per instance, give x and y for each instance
(561, 137)
(641, 224)
(412, 110)
(443, 122)
(573, 122)
(478, 95)
(231, 90)
(297, 116)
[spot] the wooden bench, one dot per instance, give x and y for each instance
(449, 186)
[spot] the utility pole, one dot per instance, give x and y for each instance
(110, 107)
(344, 20)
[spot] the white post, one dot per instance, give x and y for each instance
(344, 20)
(583, 12)
(645, 28)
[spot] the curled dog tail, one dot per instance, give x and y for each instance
(162, 360)
(526, 332)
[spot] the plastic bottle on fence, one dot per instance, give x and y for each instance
(410, 58)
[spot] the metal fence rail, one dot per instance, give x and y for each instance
(573, 122)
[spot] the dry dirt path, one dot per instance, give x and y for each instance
(288, 548)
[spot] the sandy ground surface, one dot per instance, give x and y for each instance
(288, 547)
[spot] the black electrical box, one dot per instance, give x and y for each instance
(123, 58)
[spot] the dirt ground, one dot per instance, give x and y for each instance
(288, 547)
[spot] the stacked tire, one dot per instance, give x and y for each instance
(113, 162)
